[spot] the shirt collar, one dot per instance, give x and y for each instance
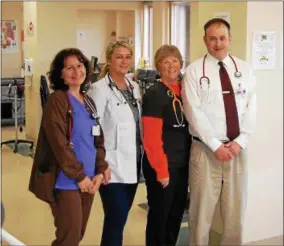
(226, 61)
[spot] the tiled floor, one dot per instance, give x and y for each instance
(30, 220)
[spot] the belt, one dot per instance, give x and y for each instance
(199, 140)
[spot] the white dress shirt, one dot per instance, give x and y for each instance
(204, 105)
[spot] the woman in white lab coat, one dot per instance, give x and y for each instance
(117, 98)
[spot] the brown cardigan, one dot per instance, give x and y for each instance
(54, 152)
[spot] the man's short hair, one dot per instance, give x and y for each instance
(216, 21)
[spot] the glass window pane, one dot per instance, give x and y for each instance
(180, 29)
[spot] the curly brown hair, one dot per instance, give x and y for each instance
(55, 72)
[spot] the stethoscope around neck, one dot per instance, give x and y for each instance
(121, 98)
(205, 79)
(179, 122)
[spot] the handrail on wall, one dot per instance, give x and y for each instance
(10, 239)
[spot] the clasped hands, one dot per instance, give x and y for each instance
(91, 186)
(225, 152)
(228, 151)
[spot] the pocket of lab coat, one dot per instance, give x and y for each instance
(112, 158)
(126, 138)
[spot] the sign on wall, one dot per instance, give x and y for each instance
(9, 39)
(223, 15)
(264, 50)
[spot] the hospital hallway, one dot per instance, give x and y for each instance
(33, 32)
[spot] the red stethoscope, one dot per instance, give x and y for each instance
(205, 79)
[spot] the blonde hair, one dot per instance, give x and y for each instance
(109, 51)
(167, 50)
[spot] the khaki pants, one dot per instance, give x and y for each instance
(209, 180)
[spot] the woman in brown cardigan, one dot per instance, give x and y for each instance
(69, 164)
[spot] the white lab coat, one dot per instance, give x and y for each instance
(119, 129)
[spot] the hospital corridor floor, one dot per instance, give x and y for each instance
(30, 220)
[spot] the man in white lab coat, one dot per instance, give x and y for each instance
(220, 105)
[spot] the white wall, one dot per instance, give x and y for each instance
(125, 23)
(96, 27)
(59, 31)
(264, 217)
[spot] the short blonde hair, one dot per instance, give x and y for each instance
(167, 50)
(109, 51)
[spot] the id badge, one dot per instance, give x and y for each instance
(240, 90)
(96, 130)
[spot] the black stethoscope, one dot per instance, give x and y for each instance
(205, 79)
(129, 86)
(92, 110)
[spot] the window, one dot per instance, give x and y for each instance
(148, 33)
(180, 29)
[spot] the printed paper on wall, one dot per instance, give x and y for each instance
(9, 39)
(264, 50)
